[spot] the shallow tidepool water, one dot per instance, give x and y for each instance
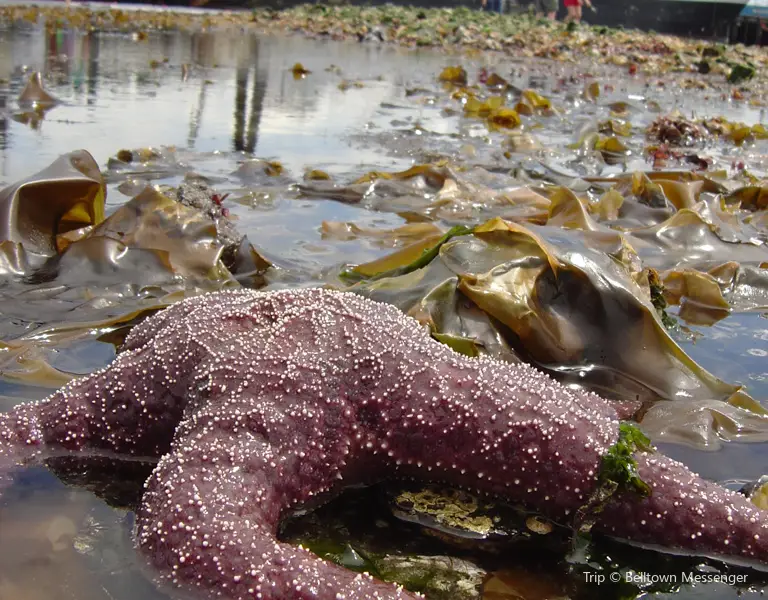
(209, 103)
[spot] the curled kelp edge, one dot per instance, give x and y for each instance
(536, 286)
(92, 275)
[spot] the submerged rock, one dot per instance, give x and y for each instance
(197, 194)
(439, 577)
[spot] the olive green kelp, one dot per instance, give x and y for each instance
(577, 302)
(68, 273)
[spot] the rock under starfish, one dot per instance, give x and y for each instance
(260, 402)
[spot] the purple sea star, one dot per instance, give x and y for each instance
(260, 402)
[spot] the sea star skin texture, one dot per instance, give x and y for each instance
(258, 403)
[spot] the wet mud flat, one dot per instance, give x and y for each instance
(590, 202)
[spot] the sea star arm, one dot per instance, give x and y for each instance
(131, 407)
(211, 510)
(116, 410)
(687, 513)
(518, 435)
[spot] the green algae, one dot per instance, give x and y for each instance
(618, 474)
(619, 465)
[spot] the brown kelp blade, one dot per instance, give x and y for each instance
(578, 303)
(34, 94)
(67, 195)
(71, 276)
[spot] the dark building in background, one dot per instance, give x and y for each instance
(695, 19)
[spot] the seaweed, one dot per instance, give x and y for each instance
(618, 474)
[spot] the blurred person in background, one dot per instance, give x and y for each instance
(574, 9)
(547, 8)
(491, 5)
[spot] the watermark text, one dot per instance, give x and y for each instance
(641, 579)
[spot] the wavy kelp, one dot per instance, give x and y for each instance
(691, 239)
(32, 216)
(577, 303)
(87, 273)
(34, 102)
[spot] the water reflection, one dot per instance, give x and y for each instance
(180, 89)
(3, 118)
(74, 59)
(244, 137)
(59, 541)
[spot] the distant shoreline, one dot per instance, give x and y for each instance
(695, 18)
(704, 20)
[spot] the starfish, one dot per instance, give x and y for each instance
(257, 403)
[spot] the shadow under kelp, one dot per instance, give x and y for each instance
(580, 305)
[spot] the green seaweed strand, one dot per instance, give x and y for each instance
(658, 300)
(618, 473)
(619, 464)
(350, 276)
(429, 255)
